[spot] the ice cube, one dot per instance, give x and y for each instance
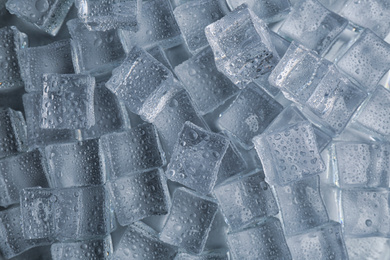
(245, 199)
(189, 220)
(232, 163)
(159, 54)
(139, 196)
(211, 255)
(196, 158)
(242, 46)
(207, 87)
(67, 101)
(51, 58)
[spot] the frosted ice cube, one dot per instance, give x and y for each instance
(207, 87)
(242, 46)
(11, 40)
(301, 205)
(103, 15)
(18, 172)
(35, 61)
(139, 196)
(249, 115)
(264, 240)
(84, 250)
(324, 242)
(314, 26)
(12, 132)
(140, 242)
(133, 151)
(47, 15)
(193, 17)
(93, 51)
(365, 64)
(196, 158)
(289, 154)
(189, 220)
(245, 199)
(67, 101)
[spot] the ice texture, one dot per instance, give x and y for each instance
(232, 164)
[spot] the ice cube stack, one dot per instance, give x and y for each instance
(194, 129)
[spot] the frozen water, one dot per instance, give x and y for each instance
(66, 214)
(245, 199)
(189, 220)
(135, 150)
(312, 25)
(38, 137)
(365, 212)
(47, 15)
(139, 196)
(365, 64)
(249, 115)
(159, 54)
(67, 101)
(269, 11)
(95, 249)
(301, 205)
(103, 15)
(232, 163)
(11, 41)
(75, 164)
(361, 164)
(207, 87)
(12, 132)
(204, 256)
(264, 240)
(192, 17)
(20, 171)
(140, 242)
(324, 242)
(242, 46)
(196, 158)
(51, 58)
(95, 52)
(289, 154)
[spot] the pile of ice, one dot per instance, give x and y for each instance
(203, 129)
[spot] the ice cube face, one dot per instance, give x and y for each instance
(196, 158)
(249, 115)
(18, 172)
(268, 11)
(244, 199)
(37, 136)
(301, 205)
(232, 163)
(314, 26)
(75, 164)
(364, 13)
(207, 87)
(363, 165)
(133, 151)
(242, 47)
(193, 17)
(157, 26)
(264, 240)
(11, 41)
(204, 256)
(159, 54)
(289, 154)
(66, 214)
(140, 242)
(47, 15)
(35, 61)
(12, 132)
(107, 51)
(365, 212)
(107, 14)
(365, 64)
(373, 117)
(67, 101)
(139, 196)
(84, 250)
(324, 242)
(189, 210)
